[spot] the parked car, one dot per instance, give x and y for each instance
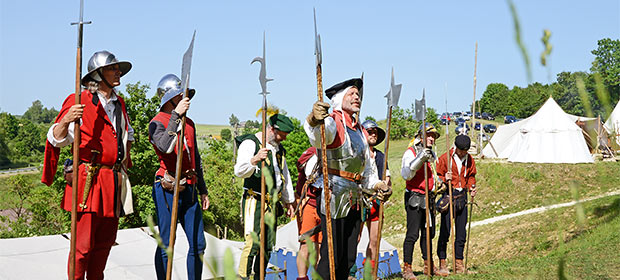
(490, 128)
(444, 121)
(509, 119)
(478, 115)
(490, 117)
(484, 137)
(456, 114)
(477, 126)
(462, 128)
(460, 121)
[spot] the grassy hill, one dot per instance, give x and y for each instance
(204, 130)
(528, 246)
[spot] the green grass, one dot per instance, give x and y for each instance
(7, 198)
(535, 246)
(504, 188)
(204, 130)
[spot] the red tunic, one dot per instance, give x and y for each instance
(169, 161)
(416, 183)
(339, 139)
(466, 176)
(97, 133)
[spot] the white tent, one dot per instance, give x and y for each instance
(548, 136)
(612, 125)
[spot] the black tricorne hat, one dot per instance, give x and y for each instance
(356, 82)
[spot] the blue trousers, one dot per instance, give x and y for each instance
(190, 217)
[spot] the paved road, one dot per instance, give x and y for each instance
(18, 170)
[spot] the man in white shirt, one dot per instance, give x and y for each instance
(250, 153)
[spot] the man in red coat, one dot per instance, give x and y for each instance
(463, 177)
(105, 142)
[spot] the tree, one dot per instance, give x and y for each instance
(493, 99)
(8, 126)
(224, 192)
(226, 134)
(568, 97)
(233, 120)
(21, 188)
(295, 144)
(28, 145)
(35, 112)
(370, 118)
(141, 110)
(607, 64)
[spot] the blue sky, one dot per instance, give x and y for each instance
(429, 44)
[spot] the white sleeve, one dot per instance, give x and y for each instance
(288, 193)
(370, 177)
(59, 143)
(314, 133)
(243, 167)
(405, 170)
(310, 165)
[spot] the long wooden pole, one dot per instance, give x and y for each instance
(262, 194)
(473, 109)
(471, 205)
(452, 229)
(175, 199)
(375, 269)
(76, 162)
(429, 255)
(77, 136)
(326, 190)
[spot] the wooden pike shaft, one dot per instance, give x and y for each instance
(429, 256)
(326, 190)
(471, 205)
(175, 199)
(473, 109)
(76, 160)
(262, 195)
(375, 258)
(452, 229)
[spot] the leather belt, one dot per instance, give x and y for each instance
(354, 177)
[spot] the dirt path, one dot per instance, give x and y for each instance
(539, 209)
(398, 238)
(11, 172)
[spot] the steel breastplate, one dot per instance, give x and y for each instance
(350, 157)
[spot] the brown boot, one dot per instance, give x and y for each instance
(426, 266)
(459, 267)
(407, 273)
(443, 268)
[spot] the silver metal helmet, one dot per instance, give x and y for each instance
(102, 59)
(170, 86)
(368, 124)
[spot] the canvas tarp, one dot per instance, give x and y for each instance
(612, 125)
(132, 257)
